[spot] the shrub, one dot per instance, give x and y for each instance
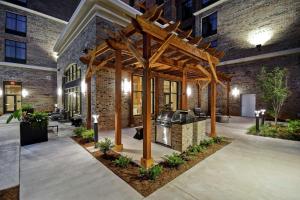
(78, 131)
(88, 135)
(105, 145)
(173, 160)
(195, 149)
(206, 142)
(122, 161)
(218, 139)
(293, 126)
(151, 173)
(37, 119)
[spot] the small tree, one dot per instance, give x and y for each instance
(274, 87)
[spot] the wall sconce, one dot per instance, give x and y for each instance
(188, 91)
(126, 86)
(1, 92)
(259, 37)
(24, 93)
(59, 91)
(235, 92)
(83, 86)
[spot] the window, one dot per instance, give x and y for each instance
(15, 24)
(158, 2)
(207, 2)
(187, 9)
(214, 43)
(131, 3)
(72, 99)
(15, 51)
(72, 73)
(19, 2)
(138, 95)
(171, 94)
(209, 25)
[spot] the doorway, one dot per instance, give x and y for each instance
(248, 105)
(12, 96)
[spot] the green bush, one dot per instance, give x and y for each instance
(105, 145)
(78, 131)
(293, 126)
(173, 160)
(88, 135)
(122, 161)
(151, 173)
(207, 142)
(37, 119)
(195, 149)
(27, 108)
(218, 139)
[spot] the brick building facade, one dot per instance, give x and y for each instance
(28, 32)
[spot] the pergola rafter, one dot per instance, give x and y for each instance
(154, 47)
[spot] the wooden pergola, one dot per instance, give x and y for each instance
(154, 47)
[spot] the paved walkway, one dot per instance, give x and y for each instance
(252, 167)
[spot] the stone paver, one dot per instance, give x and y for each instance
(251, 167)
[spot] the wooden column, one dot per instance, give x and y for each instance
(89, 103)
(228, 99)
(156, 96)
(146, 160)
(118, 111)
(213, 102)
(183, 89)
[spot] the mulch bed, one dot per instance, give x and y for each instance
(131, 173)
(10, 193)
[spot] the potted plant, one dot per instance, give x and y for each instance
(33, 126)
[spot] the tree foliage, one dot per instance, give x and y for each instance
(273, 85)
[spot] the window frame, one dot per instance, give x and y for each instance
(213, 33)
(170, 92)
(15, 59)
(72, 73)
(141, 91)
(15, 31)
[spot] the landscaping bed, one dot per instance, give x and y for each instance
(287, 131)
(146, 182)
(10, 193)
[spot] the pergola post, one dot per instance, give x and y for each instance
(146, 160)
(184, 88)
(213, 102)
(228, 99)
(89, 103)
(118, 111)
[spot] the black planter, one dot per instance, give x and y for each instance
(32, 134)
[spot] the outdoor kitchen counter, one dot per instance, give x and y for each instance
(184, 135)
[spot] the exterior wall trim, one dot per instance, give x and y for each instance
(32, 11)
(8, 64)
(262, 56)
(209, 7)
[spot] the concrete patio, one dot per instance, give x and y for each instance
(251, 167)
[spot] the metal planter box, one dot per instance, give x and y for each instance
(32, 134)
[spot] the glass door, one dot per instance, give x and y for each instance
(10, 103)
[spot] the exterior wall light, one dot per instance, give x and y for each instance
(126, 86)
(1, 92)
(59, 91)
(235, 92)
(83, 86)
(24, 93)
(259, 37)
(188, 91)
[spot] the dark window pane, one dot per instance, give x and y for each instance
(209, 25)
(187, 9)
(15, 51)
(16, 24)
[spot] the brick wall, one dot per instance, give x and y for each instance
(237, 21)
(42, 34)
(41, 86)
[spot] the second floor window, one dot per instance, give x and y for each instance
(72, 73)
(16, 24)
(210, 24)
(187, 9)
(15, 51)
